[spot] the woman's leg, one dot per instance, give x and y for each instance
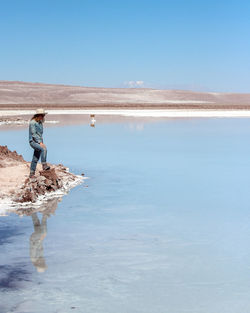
(34, 161)
(38, 151)
(44, 160)
(44, 155)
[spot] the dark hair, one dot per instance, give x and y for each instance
(35, 116)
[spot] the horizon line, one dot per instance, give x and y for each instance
(136, 88)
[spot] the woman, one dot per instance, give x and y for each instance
(36, 141)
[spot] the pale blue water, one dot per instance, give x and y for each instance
(163, 226)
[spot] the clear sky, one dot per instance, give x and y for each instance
(179, 44)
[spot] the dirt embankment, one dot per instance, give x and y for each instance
(18, 187)
(7, 156)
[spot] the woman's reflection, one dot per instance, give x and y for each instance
(36, 242)
(40, 232)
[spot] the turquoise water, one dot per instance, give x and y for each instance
(161, 225)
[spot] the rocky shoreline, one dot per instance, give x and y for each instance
(19, 121)
(18, 189)
(42, 184)
(13, 120)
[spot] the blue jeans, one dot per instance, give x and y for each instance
(38, 151)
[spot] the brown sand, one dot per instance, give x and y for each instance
(16, 185)
(21, 95)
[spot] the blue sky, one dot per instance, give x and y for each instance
(178, 44)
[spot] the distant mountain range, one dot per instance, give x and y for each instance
(23, 95)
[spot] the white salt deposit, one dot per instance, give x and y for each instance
(7, 205)
(141, 113)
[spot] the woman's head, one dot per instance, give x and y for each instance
(39, 117)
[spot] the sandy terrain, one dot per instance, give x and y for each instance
(16, 188)
(21, 95)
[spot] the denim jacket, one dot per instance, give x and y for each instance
(35, 131)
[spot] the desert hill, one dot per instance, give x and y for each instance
(23, 95)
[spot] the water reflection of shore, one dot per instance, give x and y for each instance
(39, 234)
(92, 123)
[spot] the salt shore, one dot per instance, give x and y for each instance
(180, 113)
(17, 190)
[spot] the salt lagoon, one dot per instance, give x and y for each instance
(161, 225)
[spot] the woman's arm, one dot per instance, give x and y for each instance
(34, 134)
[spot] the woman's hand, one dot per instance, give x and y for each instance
(42, 145)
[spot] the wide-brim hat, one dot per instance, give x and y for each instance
(40, 112)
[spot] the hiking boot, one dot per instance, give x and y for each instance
(32, 174)
(46, 167)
